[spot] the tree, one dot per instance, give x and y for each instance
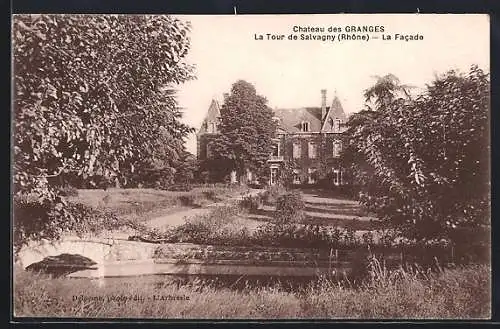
(92, 95)
(247, 129)
(185, 168)
(422, 164)
(287, 174)
(385, 90)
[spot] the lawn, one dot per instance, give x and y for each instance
(462, 293)
(146, 203)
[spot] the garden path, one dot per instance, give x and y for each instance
(180, 217)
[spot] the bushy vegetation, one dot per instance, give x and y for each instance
(218, 226)
(92, 108)
(251, 202)
(290, 208)
(37, 220)
(422, 162)
(98, 211)
(462, 293)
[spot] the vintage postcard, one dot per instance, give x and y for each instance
(251, 166)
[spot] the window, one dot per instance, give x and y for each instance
(296, 176)
(312, 175)
(213, 127)
(337, 148)
(296, 150)
(274, 176)
(305, 126)
(209, 150)
(312, 150)
(337, 125)
(276, 149)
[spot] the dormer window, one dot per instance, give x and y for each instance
(338, 122)
(305, 126)
(212, 127)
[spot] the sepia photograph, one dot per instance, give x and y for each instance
(271, 167)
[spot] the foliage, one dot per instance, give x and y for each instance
(423, 163)
(271, 194)
(213, 170)
(286, 174)
(69, 191)
(93, 97)
(251, 202)
(36, 220)
(290, 208)
(218, 225)
(246, 130)
(304, 236)
(185, 168)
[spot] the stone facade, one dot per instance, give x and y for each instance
(309, 137)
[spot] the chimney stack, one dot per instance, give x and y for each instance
(323, 104)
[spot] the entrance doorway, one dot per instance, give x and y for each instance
(274, 176)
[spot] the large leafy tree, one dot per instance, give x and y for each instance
(423, 164)
(92, 95)
(247, 129)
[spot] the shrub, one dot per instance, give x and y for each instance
(216, 227)
(187, 200)
(210, 195)
(412, 162)
(271, 194)
(304, 236)
(251, 203)
(35, 221)
(289, 208)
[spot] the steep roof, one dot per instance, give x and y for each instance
(213, 114)
(335, 111)
(291, 119)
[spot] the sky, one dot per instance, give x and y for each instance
(291, 73)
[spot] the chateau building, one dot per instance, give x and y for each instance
(310, 138)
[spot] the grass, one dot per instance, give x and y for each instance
(462, 293)
(141, 203)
